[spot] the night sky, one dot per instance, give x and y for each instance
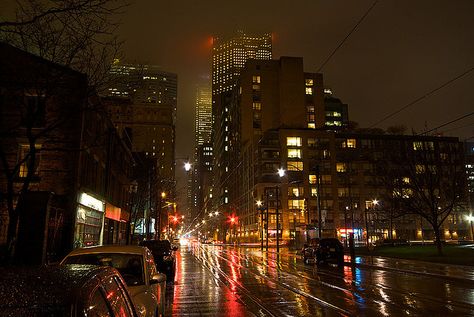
(401, 51)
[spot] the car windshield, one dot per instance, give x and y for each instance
(130, 266)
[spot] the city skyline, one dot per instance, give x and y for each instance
(400, 52)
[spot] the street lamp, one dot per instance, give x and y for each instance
(261, 208)
(187, 166)
(470, 218)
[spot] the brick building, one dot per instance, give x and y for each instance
(58, 143)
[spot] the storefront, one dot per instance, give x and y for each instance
(111, 224)
(89, 221)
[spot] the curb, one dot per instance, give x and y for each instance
(383, 268)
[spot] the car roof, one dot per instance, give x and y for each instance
(128, 249)
(155, 243)
(52, 288)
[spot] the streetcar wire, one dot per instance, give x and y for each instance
(447, 123)
(347, 36)
(422, 97)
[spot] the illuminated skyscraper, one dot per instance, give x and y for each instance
(230, 54)
(203, 124)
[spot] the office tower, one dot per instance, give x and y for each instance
(203, 121)
(142, 101)
(230, 54)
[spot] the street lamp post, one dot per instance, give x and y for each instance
(470, 218)
(260, 208)
(277, 222)
(318, 201)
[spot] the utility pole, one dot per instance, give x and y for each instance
(318, 201)
(277, 222)
(266, 220)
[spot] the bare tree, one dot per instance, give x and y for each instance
(79, 34)
(431, 182)
(70, 34)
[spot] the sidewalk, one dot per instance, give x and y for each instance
(441, 270)
(438, 270)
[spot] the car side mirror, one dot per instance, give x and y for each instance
(157, 278)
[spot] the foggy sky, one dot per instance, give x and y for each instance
(401, 51)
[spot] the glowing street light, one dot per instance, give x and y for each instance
(470, 218)
(281, 172)
(187, 166)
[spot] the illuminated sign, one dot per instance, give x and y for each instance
(112, 212)
(89, 201)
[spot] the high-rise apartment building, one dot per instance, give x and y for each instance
(229, 56)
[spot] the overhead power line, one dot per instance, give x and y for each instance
(347, 36)
(448, 123)
(422, 97)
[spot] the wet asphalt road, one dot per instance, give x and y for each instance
(226, 281)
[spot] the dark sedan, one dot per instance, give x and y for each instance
(164, 256)
(67, 290)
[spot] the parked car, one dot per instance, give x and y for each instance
(137, 267)
(309, 251)
(68, 290)
(164, 254)
(330, 250)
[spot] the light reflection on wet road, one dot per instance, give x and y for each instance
(227, 281)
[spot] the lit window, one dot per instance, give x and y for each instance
(417, 145)
(257, 106)
(295, 191)
(296, 204)
(311, 125)
(23, 153)
(294, 153)
(314, 192)
(293, 141)
(311, 142)
(341, 167)
(309, 90)
(312, 179)
(351, 143)
(309, 82)
(256, 79)
(294, 166)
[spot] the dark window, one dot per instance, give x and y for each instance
(35, 115)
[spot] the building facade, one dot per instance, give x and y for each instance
(229, 56)
(59, 145)
(142, 101)
(276, 118)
